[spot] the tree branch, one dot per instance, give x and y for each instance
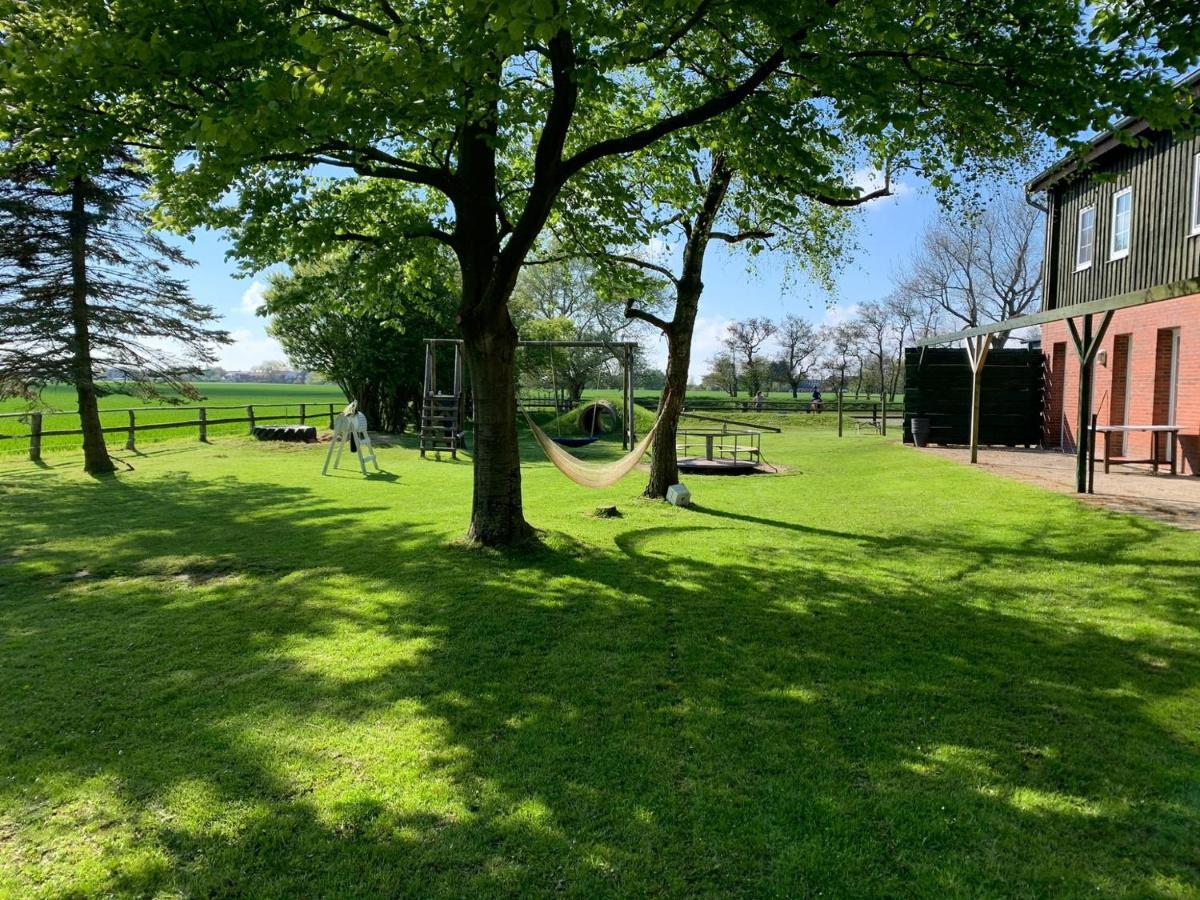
(751, 235)
(375, 240)
(697, 115)
(351, 19)
(613, 257)
(632, 313)
(685, 28)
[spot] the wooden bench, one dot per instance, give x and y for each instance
(1172, 432)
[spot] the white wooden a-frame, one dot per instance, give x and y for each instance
(350, 427)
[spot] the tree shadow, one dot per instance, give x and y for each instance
(270, 698)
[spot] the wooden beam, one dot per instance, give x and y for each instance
(1087, 346)
(1083, 443)
(1075, 338)
(1156, 294)
(977, 354)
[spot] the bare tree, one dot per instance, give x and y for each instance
(910, 321)
(842, 345)
(799, 343)
(882, 331)
(983, 267)
(745, 340)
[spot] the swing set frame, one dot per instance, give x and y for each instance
(623, 351)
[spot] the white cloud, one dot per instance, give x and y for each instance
(706, 343)
(656, 250)
(249, 348)
(253, 297)
(837, 315)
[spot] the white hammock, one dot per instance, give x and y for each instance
(593, 475)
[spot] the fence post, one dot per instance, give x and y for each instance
(129, 443)
(330, 415)
(303, 412)
(883, 418)
(203, 425)
(35, 437)
(839, 396)
(250, 416)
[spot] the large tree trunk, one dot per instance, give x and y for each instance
(96, 460)
(664, 464)
(664, 467)
(490, 349)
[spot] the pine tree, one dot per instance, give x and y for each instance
(86, 287)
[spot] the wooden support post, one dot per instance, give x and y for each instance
(1092, 457)
(203, 425)
(1086, 345)
(35, 437)
(631, 431)
(250, 416)
(839, 396)
(883, 413)
(459, 423)
(129, 441)
(977, 353)
(303, 412)
(330, 415)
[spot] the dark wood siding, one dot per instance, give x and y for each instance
(1160, 252)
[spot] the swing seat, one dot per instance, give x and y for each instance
(580, 441)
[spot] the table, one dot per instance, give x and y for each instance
(1172, 431)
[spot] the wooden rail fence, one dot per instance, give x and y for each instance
(201, 423)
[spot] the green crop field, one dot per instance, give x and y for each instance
(59, 402)
(877, 673)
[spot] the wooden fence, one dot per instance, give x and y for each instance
(253, 416)
(872, 408)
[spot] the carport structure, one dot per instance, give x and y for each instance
(1088, 323)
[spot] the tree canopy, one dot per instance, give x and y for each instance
(363, 333)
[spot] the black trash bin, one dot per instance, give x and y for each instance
(920, 431)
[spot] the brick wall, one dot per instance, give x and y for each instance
(1147, 330)
(1052, 401)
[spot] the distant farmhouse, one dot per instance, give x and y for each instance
(1128, 221)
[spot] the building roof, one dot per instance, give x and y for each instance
(1101, 144)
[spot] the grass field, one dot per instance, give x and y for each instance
(215, 394)
(878, 674)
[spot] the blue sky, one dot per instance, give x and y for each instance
(888, 230)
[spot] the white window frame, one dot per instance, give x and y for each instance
(1113, 253)
(1195, 223)
(1080, 266)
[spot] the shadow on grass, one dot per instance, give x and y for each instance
(365, 711)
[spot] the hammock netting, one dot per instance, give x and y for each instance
(589, 474)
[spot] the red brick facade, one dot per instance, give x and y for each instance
(1138, 347)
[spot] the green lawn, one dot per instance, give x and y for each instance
(61, 403)
(877, 674)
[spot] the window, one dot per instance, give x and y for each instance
(1086, 242)
(1122, 223)
(1196, 195)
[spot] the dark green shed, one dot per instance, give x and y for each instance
(937, 386)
